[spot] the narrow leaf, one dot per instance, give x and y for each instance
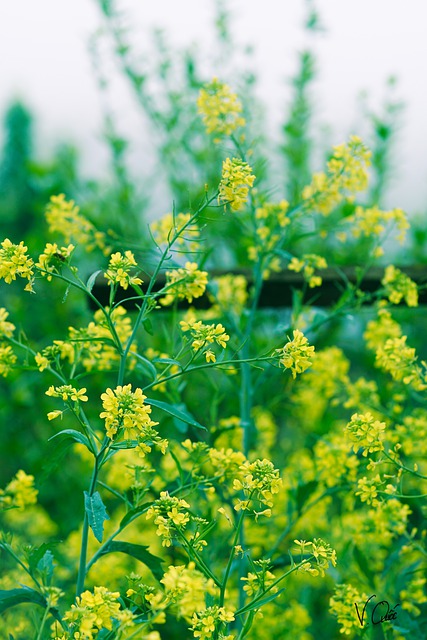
(138, 551)
(74, 435)
(180, 413)
(260, 603)
(96, 513)
(91, 280)
(13, 597)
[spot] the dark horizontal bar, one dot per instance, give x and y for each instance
(278, 290)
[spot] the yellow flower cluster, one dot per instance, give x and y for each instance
(258, 480)
(342, 606)
(64, 217)
(7, 359)
(185, 283)
(399, 286)
(6, 328)
(366, 433)
(220, 108)
(400, 361)
(167, 227)
(323, 556)
(119, 269)
(69, 394)
(296, 354)
(170, 514)
(236, 180)
(381, 329)
(126, 415)
(96, 611)
(52, 259)
(205, 334)
(186, 588)
(308, 264)
(14, 262)
(373, 221)
(367, 489)
(414, 595)
(208, 622)
(231, 293)
(259, 582)
(19, 493)
(347, 173)
(94, 342)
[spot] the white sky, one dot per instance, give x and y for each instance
(44, 60)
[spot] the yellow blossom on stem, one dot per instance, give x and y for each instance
(188, 283)
(237, 178)
(7, 359)
(205, 334)
(64, 217)
(308, 264)
(14, 262)
(119, 269)
(342, 605)
(366, 433)
(20, 492)
(6, 328)
(220, 108)
(399, 286)
(52, 259)
(296, 354)
(126, 415)
(169, 225)
(68, 393)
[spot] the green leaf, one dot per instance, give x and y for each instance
(148, 326)
(45, 566)
(18, 596)
(91, 280)
(74, 435)
(96, 513)
(138, 551)
(134, 513)
(180, 413)
(147, 363)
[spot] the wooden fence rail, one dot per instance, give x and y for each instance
(278, 290)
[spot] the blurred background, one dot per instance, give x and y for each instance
(55, 55)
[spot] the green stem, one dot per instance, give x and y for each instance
(85, 533)
(42, 624)
(230, 560)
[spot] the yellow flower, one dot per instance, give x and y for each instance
(220, 108)
(346, 174)
(237, 178)
(187, 283)
(119, 268)
(307, 265)
(7, 359)
(67, 392)
(20, 492)
(366, 432)
(167, 227)
(296, 354)
(6, 328)
(398, 285)
(14, 262)
(64, 217)
(52, 258)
